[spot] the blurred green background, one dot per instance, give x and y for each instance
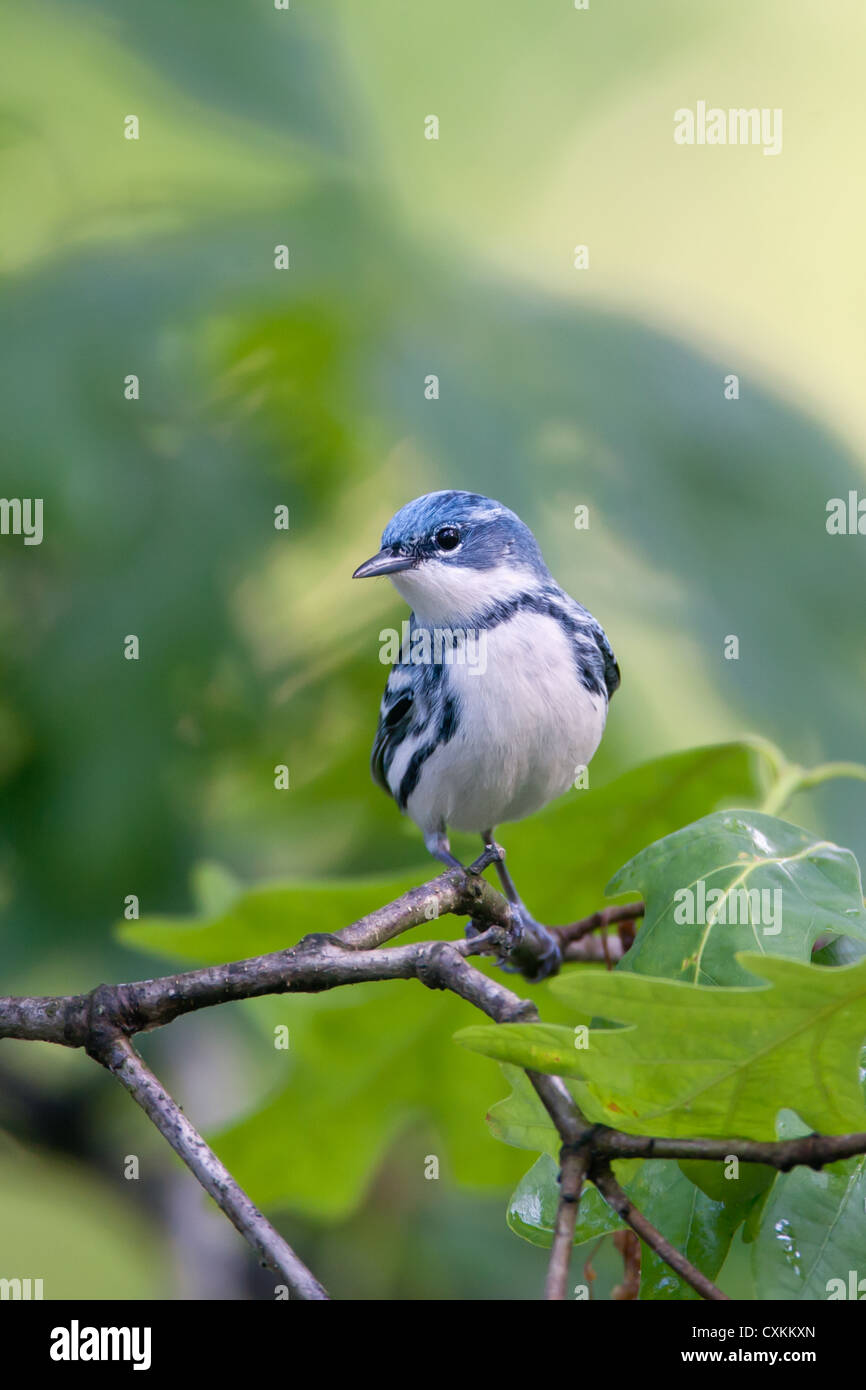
(305, 387)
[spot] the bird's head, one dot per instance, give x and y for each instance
(452, 554)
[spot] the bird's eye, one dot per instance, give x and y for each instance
(447, 538)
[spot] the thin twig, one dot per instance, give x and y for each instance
(605, 917)
(810, 1151)
(589, 1273)
(603, 947)
(618, 1200)
(123, 1061)
(573, 1166)
(628, 1245)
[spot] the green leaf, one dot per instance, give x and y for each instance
(813, 1232)
(735, 881)
(533, 1203)
(521, 1119)
(700, 1060)
(751, 1181)
(700, 1228)
(744, 1195)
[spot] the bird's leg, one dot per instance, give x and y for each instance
(540, 953)
(505, 878)
(493, 854)
(438, 845)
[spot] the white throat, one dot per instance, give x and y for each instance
(441, 593)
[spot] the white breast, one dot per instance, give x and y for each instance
(526, 726)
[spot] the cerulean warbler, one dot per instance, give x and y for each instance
(499, 695)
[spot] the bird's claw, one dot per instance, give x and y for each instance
(549, 961)
(503, 939)
(526, 948)
(537, 954)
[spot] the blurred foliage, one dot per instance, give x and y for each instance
(305, 388)
(68, 1228)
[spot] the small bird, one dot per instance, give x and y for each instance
(516, 702)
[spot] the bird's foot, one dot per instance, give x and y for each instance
(495, 939)
(538, 953)
(530, 949)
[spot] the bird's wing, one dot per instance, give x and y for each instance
(611, 665)
(397, 714)
(593, 651)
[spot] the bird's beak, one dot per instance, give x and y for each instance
(388, 561)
